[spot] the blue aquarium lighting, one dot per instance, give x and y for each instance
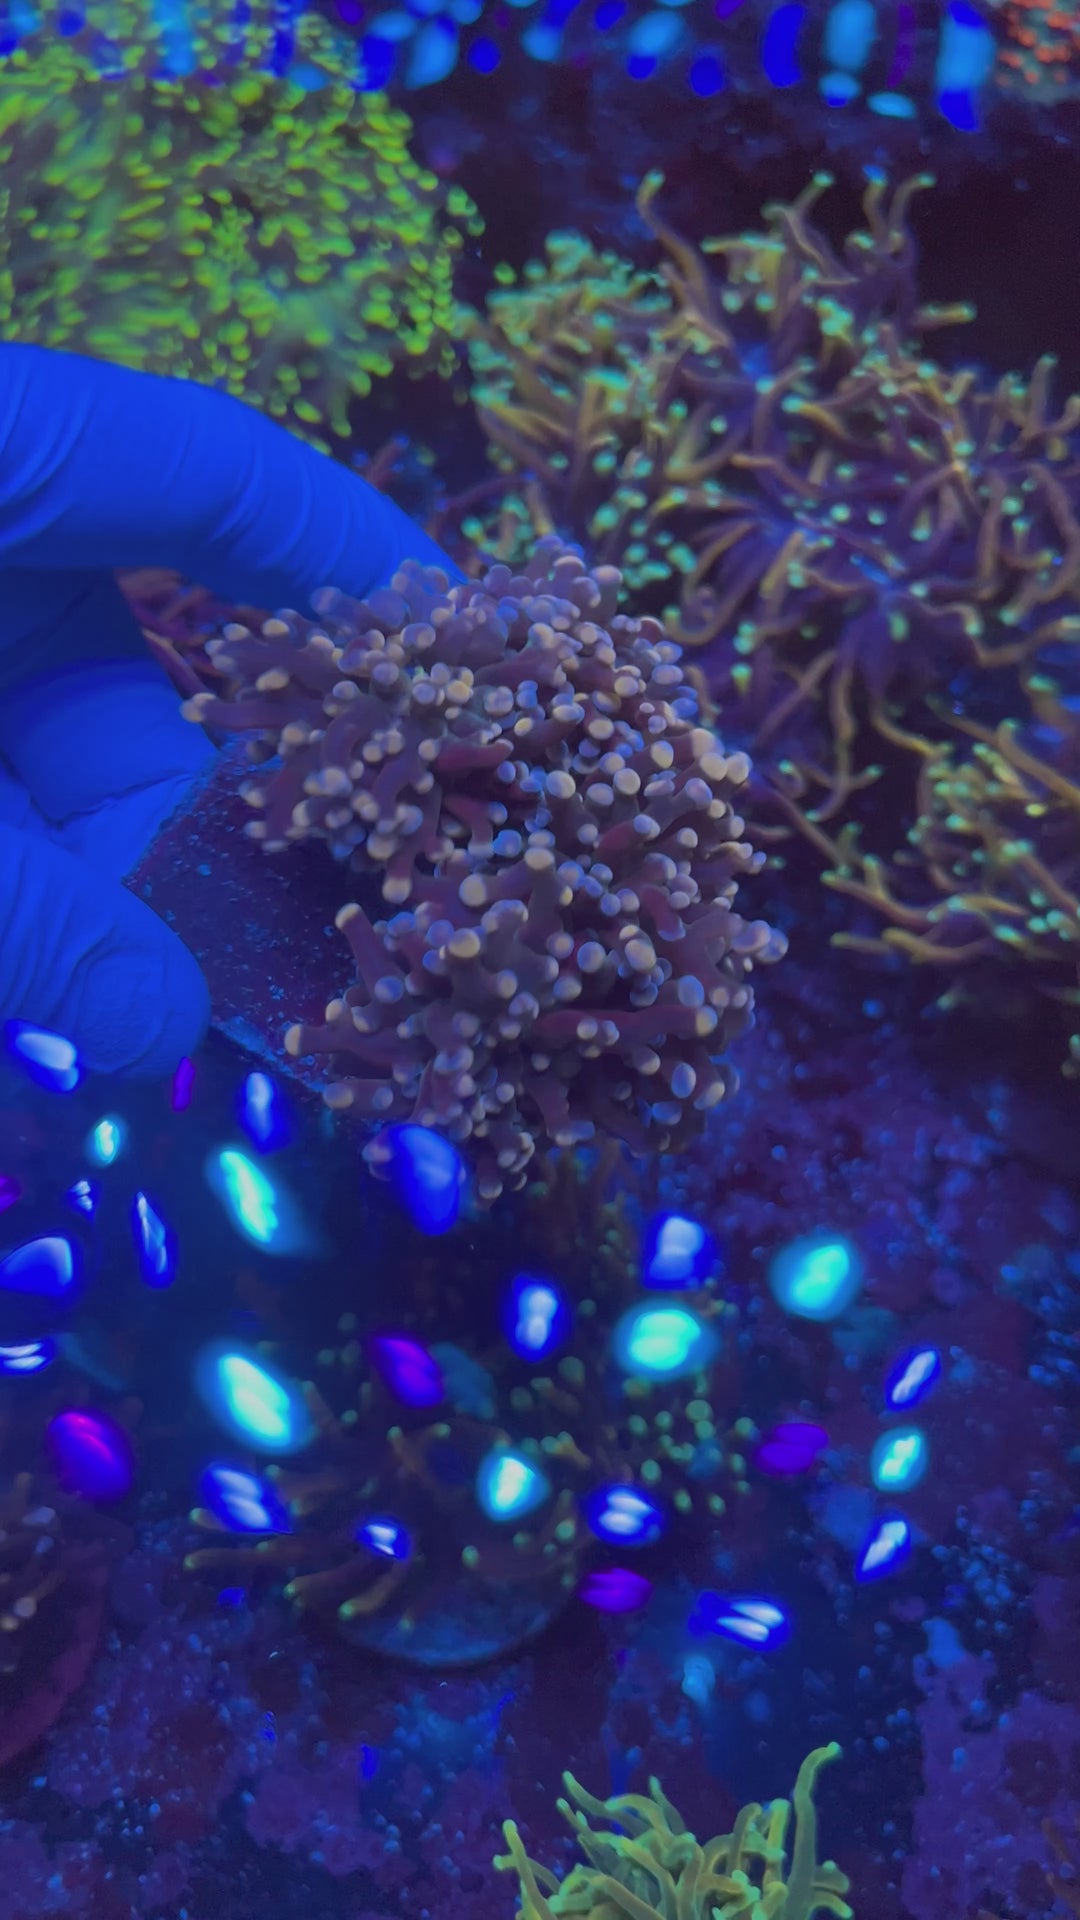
(242, 1501)
(677, 1253)
(155, 1243)
(749, 1619)
(251, 1401)
(914, 1375)
(837, 89)
(419, 44)
(261, 1210)
(183, 1086)
(386, 1538)
(904, 45)
(623, 1516)
(779, 44)
(428, 1175)
(886, 1547)
(433, 54)
(263, 1112)
(47, 1057)
(509, 1485)
(535, 1316)
(816, 1277)
(661, 1343)
(484, 55)
(615, 1590)
(966, 53)
(30, 1356)
(791, 1448)
(850, 32)
(173, 17)
(650, 39)
(47, 1265)
(407, 1369)
(375, 61)
(891, 106)
(106, 1141)
(248, 1195)
(899, 1460)
(83, 1196)
(91, 1454)
(706, 75)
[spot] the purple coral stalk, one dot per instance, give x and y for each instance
(556, 833)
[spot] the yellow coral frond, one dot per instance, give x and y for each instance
(648, 1867)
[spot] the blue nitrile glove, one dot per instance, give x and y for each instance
(102, 468)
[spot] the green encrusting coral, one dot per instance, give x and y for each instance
(651, 1868)
(194, 212)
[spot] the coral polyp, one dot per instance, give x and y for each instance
(558, 838)
(643, 1861)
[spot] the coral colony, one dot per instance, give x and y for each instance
(558, 844)
(862, 552)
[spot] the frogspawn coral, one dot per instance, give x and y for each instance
(557, 837)
(645, 1864)
(207, 201)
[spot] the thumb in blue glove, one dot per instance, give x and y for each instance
(101, 468)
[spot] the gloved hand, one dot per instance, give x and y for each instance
(103, 468)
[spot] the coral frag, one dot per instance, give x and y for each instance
(524, 769)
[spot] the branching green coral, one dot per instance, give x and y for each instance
(991, 871)
(874, 556)
(772, 456)
(651, 1868)
(206, 216)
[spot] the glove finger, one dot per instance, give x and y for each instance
(102, 467)
(16, 808)
(90, 727)
(82, 957)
